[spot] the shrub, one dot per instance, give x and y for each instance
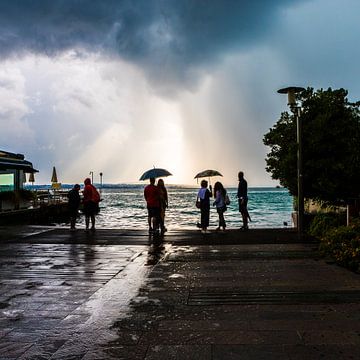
(342, 244)
(323, 222)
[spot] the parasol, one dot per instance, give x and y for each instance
(154, 173)
(54, 178)
(207, 173)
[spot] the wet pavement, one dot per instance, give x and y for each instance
(117, 294)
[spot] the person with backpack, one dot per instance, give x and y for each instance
(91, 203)
(221, 200)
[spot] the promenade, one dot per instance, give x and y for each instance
(117, 294)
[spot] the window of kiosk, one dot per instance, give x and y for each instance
(6, 182)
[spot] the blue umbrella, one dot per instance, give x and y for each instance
(154, 173)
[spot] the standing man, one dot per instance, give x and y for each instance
(73, 204)
(243, 200)
(152, 197)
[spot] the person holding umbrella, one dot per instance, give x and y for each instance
(203, 199)
(152, 197)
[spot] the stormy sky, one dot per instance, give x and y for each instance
(120, 86)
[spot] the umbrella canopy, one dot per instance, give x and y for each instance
(207, 173)
(154, 173)
(54, 178)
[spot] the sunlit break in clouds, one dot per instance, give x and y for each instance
(121, 86)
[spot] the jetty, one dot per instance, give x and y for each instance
(120, 294)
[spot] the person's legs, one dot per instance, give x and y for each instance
(219, 213)
(203, 219)
(244, 219)
(92, 217)
(156, 219)
(162, 220)
(150, 219)
(72, 222)
(244, 213)
(87, 221)
(206, 218)
(221, 219)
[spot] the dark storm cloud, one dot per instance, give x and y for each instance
(158, 32)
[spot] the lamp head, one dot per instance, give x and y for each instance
(291, 91)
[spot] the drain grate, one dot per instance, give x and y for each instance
(244, 255)
(204, 298)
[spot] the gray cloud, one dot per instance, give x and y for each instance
(165, 37)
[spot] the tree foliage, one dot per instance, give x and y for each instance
(331, 147)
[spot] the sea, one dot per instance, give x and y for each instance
(123, 206)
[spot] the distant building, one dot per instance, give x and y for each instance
(13, 168)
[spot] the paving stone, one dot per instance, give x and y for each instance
(12, 350)
(179, 352)
(249, 352)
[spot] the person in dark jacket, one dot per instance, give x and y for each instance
(163, 199)
(243, 200)
(73, 204)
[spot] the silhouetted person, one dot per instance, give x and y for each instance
(220, 198)
(91, 203)
(163, 199)
(151, 195)
(73, 204)
(204, 196)
(243, 200)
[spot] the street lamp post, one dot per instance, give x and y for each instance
(296, 110)
(92, 176)
(101, 183)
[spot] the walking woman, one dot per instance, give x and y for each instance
(163, 197)
(203, 198)
(220, 203)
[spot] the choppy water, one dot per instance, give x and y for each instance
(124, 207)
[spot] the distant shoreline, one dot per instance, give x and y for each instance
(141, 185)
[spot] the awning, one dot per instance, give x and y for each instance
(15, 161)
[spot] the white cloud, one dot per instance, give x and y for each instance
(13, 108)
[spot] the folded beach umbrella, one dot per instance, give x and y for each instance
(155, 173)
(54, 178)
(32, 178)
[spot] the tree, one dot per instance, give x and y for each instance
(331, 147)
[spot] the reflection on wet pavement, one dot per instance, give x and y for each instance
(60, 300)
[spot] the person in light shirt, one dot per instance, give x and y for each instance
(204, 195)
